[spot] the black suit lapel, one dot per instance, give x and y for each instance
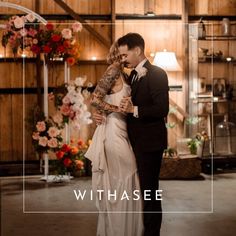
(135, 85)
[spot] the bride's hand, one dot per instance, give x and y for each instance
(98, 118)
(126, 105)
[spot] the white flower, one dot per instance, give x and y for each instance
(66, 100)
(90, 85)
(141, 71)
(30, 17)
(19, 22)
(76, 107)
(66, 33)
(70, 88)
(23, 32)
(86, 93)
(79, 81)
(77, 26)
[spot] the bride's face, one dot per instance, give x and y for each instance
(129, 56)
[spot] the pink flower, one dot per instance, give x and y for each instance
(52, 142)
(66, 33)
(58, 118)
(72, 114)
(41, 126)
(66, 100)
(53, 132)
(65, 110)
(19, 22)
(35, 41)
(77, 26)
(43, 141)
(32, 32)
(35, 135)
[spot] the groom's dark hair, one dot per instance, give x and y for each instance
(132, 40)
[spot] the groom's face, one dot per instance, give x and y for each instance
(129, 56)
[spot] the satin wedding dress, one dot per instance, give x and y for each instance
(115, 173)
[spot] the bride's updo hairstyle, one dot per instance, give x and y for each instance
(114, 54)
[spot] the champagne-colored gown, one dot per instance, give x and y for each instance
(114, 169)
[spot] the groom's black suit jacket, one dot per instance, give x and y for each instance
(150, 94)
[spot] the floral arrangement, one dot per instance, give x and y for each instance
(69, 100)
(18, 34)
(70, 157)
(26, 34)
(46, 136)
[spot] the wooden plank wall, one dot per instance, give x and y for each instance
(159, 35)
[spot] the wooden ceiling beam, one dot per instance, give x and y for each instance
(72, 13)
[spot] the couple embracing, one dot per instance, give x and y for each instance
(128, 143)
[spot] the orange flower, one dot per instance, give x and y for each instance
(60, 154)
(79, 164)
(74, 150)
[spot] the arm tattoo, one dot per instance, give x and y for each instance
(104, 87)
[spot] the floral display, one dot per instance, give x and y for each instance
(46, 136)
(25, 34)
(70, 157)
(69, 100)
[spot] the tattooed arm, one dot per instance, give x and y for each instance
(104, 87)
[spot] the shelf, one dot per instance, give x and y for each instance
(218, 38)
(211, 17)
(211, 99)
(217, 60)
(33, 60)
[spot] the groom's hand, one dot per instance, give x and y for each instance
(126, 105)
(98, 118)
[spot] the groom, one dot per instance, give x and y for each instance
(147, 109)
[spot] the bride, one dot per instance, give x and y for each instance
(114, 172)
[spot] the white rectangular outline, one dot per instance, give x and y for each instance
(92, 212)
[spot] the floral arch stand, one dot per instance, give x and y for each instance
(46, 177)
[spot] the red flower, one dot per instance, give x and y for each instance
(67, 162)
(47, 49)
(60, 49)
(66, 43)
(35, 49)
(49, 26)
(65, 148)
(56, 37)
(70, 61)
(60, 154)
(80, 142)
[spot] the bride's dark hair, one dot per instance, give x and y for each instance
(114, 54)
